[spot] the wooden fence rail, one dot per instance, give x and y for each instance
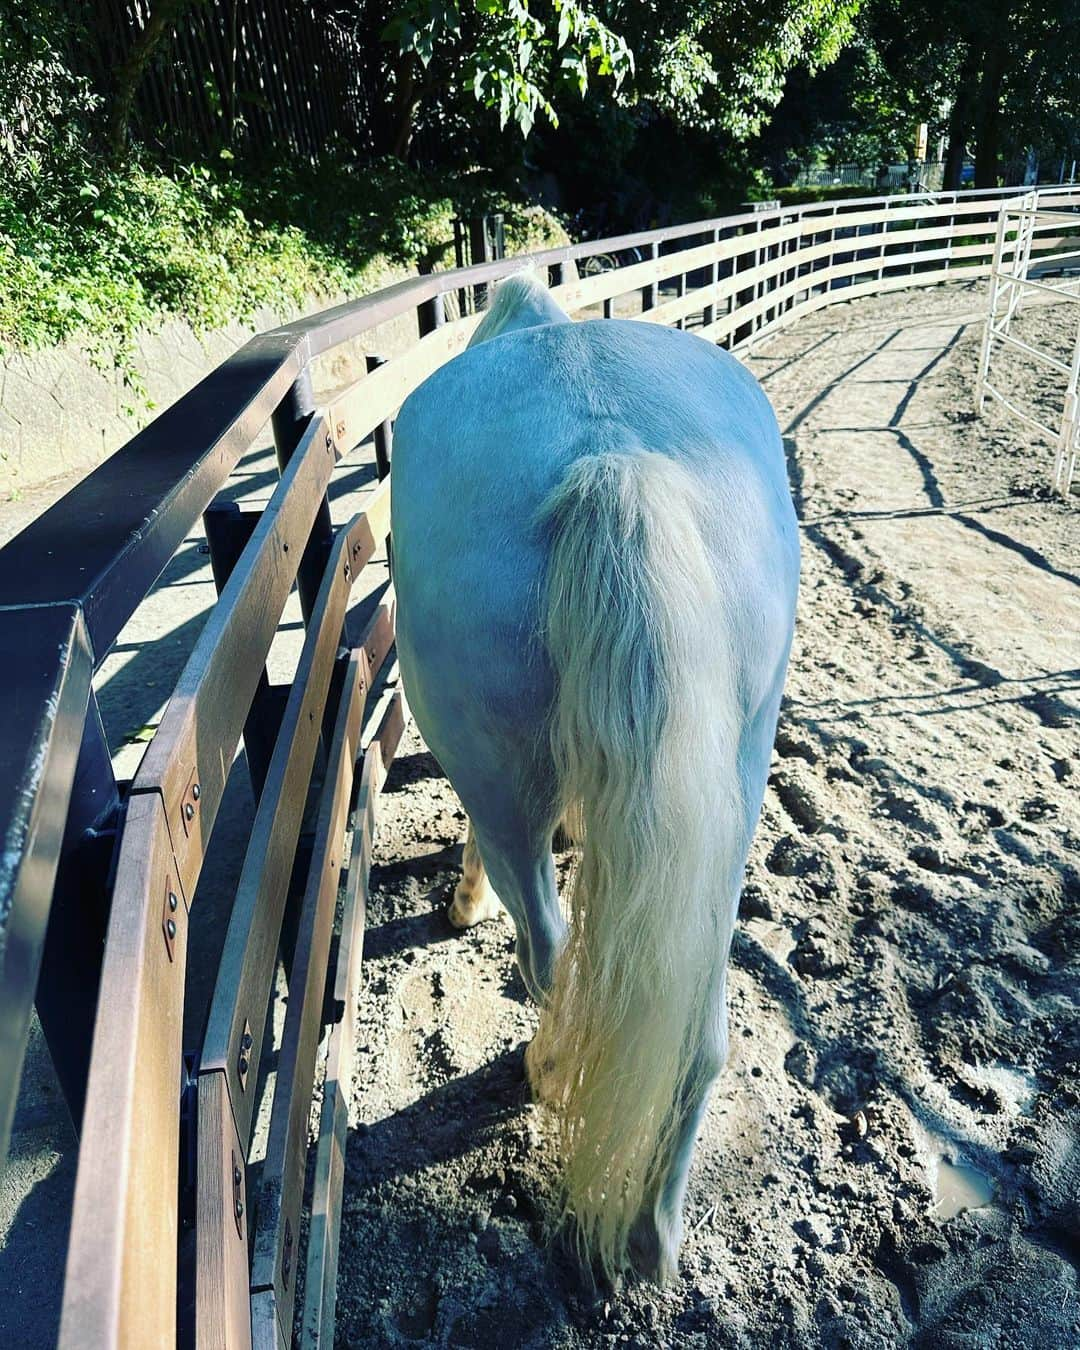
(167, 1236)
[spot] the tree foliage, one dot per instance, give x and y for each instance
(45, 105)
(721, 65)
(999, 77)
(512, 58)
(708, 65)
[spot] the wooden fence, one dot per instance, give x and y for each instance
(276, 74)
(167, 1236)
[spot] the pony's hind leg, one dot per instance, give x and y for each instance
(522, 874)
(657, 1232)
(474, 901)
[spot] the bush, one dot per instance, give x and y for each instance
(796, 196)
(112, 251)
(48, 113)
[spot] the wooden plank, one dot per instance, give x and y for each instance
(729, 322)
(872, 287)
(191, 754)
(320, 1286)
(388, 737)
(243, 977)
(371, 400)
(775, 267)
(238, 1009)
(222, 1313)
(233, 1040)
(575, 295)
(265, 1327)
(903, 211)
(277, 1235)
(324, 1228)
(48, 666)
(120, 1287)
(591, 290)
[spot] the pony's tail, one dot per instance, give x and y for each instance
(644, 736)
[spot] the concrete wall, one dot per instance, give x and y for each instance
(61, 415)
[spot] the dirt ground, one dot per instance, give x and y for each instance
(892, 1157)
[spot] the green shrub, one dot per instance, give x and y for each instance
(796, 196)
(114, 251)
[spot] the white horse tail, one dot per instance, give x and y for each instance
(644, 734)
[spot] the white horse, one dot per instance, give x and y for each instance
(596, 563)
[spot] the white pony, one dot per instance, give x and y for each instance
(596, 562)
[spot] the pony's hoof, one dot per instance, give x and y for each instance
(653, 1248)
(540, 1073)
(469, 908)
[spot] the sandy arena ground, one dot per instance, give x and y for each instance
(903, 1007)
(892, 1157)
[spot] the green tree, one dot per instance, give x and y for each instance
(715, 65)
(46, 106)
(509, 57)
(162, 17)
(721, 65)
(1001, 75)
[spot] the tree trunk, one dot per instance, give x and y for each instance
(129, 74)
(988, 118)
(403, 108)
(961, 117)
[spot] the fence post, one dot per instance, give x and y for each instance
(1065, 459)
(708, 315)
(430, 314)
(70, 972)
(952, 232)
(290, 420)
(795, 272)
(228, 530)
(743, 261)
(988, 332)
(648, 292)
(383, 435)
(884, 227)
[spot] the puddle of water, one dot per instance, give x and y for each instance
(958, 1187)
(955, 1186)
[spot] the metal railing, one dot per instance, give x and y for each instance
(96, 877)
(1020, 223)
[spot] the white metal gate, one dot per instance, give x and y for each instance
(1019, 222)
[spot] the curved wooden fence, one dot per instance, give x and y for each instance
(97, 878)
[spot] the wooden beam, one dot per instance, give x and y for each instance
(222, 1313)
(320, 1285)
(234, 1032)
(120, 1286)
(369, 402)
(189, 759)
(277, 1234)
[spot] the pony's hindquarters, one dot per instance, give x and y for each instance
(646, 733)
